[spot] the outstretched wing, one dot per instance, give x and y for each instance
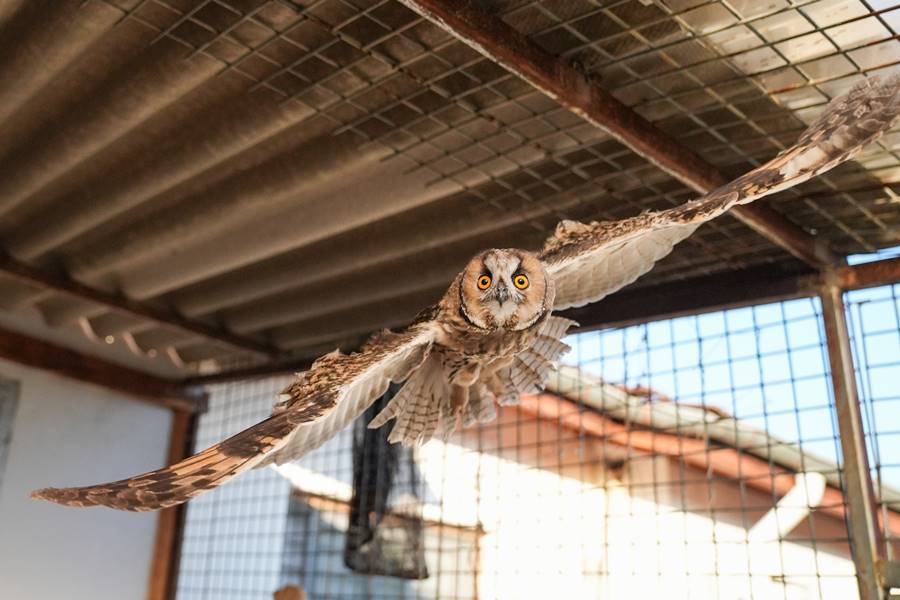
(590, 261)
(191, 477)
(335, 391)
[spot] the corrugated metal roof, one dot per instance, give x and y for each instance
(302, 173)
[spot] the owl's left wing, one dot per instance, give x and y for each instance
(335, 391)
(590, 261)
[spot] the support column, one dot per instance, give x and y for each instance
(167, 546)
(865, 536)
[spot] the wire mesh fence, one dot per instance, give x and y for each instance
(695, 457)
(875, 319)
(233, 540)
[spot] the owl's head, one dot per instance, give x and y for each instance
(505, 289)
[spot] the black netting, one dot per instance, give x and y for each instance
(385, 535)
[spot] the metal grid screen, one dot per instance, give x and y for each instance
(736, 81)
(696, 457)
(707, 527)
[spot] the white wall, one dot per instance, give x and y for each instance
(69, 433)
(551, 536)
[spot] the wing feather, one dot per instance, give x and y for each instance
(335, 391)
(591, 261)
(186, 479)
(411, 351)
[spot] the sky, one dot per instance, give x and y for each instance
(767, 365)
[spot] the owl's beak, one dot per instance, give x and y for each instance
(502, 293)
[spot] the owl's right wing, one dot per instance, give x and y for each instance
(336, 390)
(590, 261)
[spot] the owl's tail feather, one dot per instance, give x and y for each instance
(417, 406)
(531, 368)
(480, 408)
(424, 408)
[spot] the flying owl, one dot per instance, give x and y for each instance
(492, 337)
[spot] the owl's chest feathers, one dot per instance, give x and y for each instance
(465, 352)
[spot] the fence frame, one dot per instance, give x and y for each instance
(862, 525)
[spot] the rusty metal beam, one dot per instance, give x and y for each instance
(39, 354)
(862, 523)
(166, 318)
(881, 272)
(514, 51)
(731, 289)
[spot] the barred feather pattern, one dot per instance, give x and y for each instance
(417, 406)
(422, 408)
(337, 389)
(531, 368)
(410, 350)
(480, 407)
(449, 419)
(191, 477)
(589, 261)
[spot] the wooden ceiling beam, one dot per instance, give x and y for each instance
(63, 284)
(573, 89)
(39, 354)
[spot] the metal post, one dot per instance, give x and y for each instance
(865, 537)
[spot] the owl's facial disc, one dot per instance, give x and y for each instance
(509, 297)
(505, 289)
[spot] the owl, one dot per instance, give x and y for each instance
(493, 336)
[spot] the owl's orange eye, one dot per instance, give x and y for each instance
(484, 282)
(520, 281)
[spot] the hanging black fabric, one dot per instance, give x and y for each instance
(386, 533)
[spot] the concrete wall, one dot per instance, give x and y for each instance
(68, 433)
